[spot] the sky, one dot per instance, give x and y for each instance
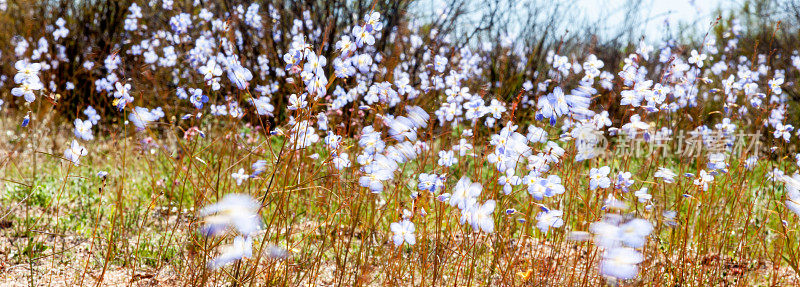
(699, 13)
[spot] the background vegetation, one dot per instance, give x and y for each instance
(62, 223)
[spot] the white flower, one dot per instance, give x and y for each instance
(509, 180)
(634, 233)
(239, 176)
(75, 152)
(703, 178)
(481, 216)
(621, 263)
(549, 218)
(297, 102)
(238, 211)
(439, 63)
(447, 158)
(697, 59)
(598, 177)
(642, 195)
(141, 117)
(464, 190)
(83, 129)
(341, 161)
(793, 192)
(665, 174)
(240, 248)
(403, 232)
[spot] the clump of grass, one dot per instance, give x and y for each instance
(248, 145)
